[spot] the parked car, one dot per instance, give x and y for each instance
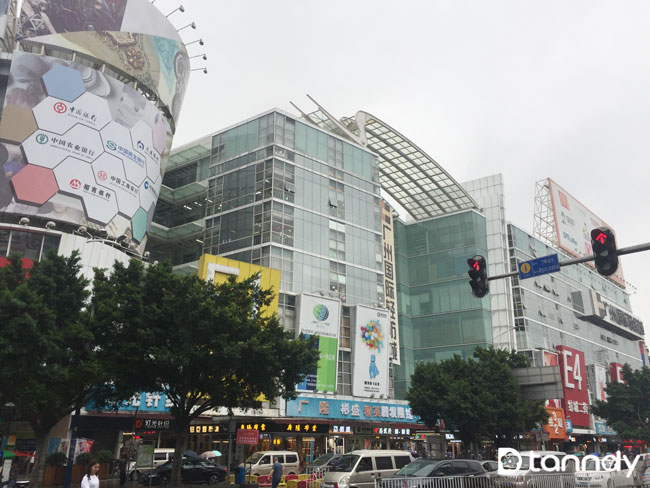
(193, 470)
(412, 468)
(160, 457)
(362, 468)
(490, 467)
(261, 462)
(526, 477)
(417, 474)
(321, 463)
(602, 478)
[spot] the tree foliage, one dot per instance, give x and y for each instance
(204, 345)
(627, 408)
(479, 396)
(48, 359)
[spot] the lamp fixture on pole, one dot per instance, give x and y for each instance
(192, 25)
(180, 7)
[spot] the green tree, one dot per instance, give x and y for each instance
(478, 396)
(48, 360)
(204, 345)
(627, 408)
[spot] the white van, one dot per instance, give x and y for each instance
(261, 462)
(361, 468)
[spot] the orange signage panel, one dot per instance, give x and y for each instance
(555, 426)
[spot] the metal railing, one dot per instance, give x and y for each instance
(486, 481)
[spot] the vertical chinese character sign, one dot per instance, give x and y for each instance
(574, 385)
(390, 288)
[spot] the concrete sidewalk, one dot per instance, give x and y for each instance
(115, 483)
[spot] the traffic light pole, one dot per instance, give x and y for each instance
(619, 252)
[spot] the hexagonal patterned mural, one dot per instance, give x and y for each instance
(63, 82)
(17, 123)
(100, 147)
(34, 184)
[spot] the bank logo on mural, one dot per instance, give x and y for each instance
(80, 128)
(320, 312)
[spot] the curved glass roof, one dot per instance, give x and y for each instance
(407, 173)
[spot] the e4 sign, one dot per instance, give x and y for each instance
(574, 385)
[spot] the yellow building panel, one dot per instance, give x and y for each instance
(218, 269)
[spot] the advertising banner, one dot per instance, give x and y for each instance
(609, 312)
(327, 408)
(600, 382)
(642, 350)
(4, 19)
(320, 316)
(550, 359)
(132, 35)
(574, 223)
(80, 147)
(555, 427)
(248, 436)
(370, 352)
(574, 386)
(390, 277)
(218, 269)
(616, 373)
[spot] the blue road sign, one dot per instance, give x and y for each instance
(539, 266)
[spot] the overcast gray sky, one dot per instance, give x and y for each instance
(529, 89)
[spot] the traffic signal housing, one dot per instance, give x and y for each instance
(478, 274)
(603, 244)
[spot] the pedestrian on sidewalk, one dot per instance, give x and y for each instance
(123, 467)
(276, 473)
(90, 479)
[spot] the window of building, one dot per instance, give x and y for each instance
(4, 242)
(337, 280)
(344, 380)
(336, 199)
(344, 332)
(27, 244)
(337, 240)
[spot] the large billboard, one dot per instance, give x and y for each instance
(131, 35)
(218, 269)
(573, 225)
(369, 332)
(80, 147)
(574, 386)
(320, 316)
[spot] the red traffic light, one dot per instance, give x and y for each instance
(599, 237)
(478, 275)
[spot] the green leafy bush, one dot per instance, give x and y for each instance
(84, 459)
(56, 459)
(105, 456)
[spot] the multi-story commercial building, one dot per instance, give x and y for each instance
(91, 93)
(574, 318)
(305, 196)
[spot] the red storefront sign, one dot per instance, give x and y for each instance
(248, 436)
(574, 386)
(616, 373)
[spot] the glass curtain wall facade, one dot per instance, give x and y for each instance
(438, 315)
(290, 196)
(557, 309)
(489, 194)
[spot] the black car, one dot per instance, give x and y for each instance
(193, 470)
(434, 468)
(321, 463)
